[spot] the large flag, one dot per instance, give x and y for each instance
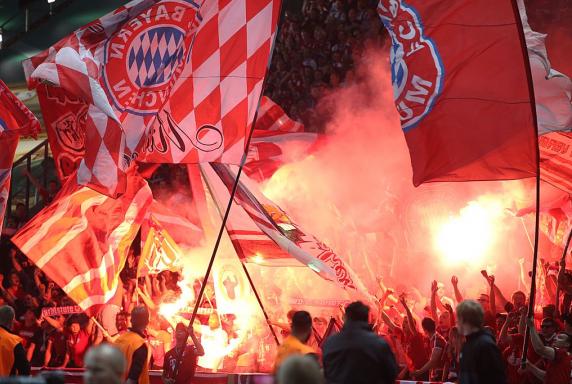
(159, 252)
(81, 240)
(15, 120)
(158, 90)
(263, 233)
(64, 119)
(461, 87)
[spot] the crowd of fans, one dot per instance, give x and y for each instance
(316, 51)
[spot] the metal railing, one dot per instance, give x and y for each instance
(28, 194)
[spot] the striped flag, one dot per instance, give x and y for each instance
(15, 120)
(262, 232)
(271, 117)
(81, 240)
(160, 252)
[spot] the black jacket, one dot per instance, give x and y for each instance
(358, 356)
(481, 360)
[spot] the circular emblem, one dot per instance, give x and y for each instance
(144, 58)
(416, 67)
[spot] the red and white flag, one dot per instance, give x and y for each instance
(157, 90)
(15, 120)
(461, 87)
(64, 119)
(159, 252)
(262, 232)
(81, 240)
(271, 117)
(556, 159)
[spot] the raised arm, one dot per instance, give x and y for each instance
(198, 345)
(410, 320)
(455, 283)
(546, 352)
(434, 301)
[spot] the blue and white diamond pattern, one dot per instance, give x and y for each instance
(154, 55)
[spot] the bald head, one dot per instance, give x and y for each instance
(299, 369)
(140, 318)
(104, 364)
(7, 316)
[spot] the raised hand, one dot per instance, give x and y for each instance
(454, 280)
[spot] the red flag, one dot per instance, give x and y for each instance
(64, 119)
(556, 159)
(262, 232)
(461, 87)
(159, 252)
(271, 117)
(15, 120)
(157, 90)
(81, 240)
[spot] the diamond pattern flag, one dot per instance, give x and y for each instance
(166, 81)
(15, 120)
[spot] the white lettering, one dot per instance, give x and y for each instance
(422, 87)
(135, 23)
(152, 99)
(407, 112)
(122, 87)
(161, 13)
(124, 34)
(117, 50)
(178, 14)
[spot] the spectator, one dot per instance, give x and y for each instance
(12, 354)
(38, 345)
(104, 364)
(78, 341)
(437, 344)
(57, 355)
(356, 354)
(181, 361)
(133, 346)
(481, 361)
(298, 369)
(296, 342)
(557, 357)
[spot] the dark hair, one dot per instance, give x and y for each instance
(301, 322)
(471, 312)
(181, 327)
(357, 311)
(428, 324)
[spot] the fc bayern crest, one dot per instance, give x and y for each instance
(144, 58)
(416, 67)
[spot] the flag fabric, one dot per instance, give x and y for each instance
(552, 89)
(81, 240)
(262, 232)
(271, 117)
(157, 90)
(159, 252)
(461, 88)
(15, 120)
(64, 119)
(269, 150)
(556, 159)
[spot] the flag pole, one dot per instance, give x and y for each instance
(562, 266)
(532, 294)
(234, 188)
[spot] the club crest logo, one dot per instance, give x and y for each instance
(416, 67)
(144, 58)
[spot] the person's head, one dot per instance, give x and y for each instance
(445, 320)
(428, 325)
(104, 364)
(562, 341)
(357, 311)
(470, 317)
(214, 321)
(74, 327)
(20, 211)
(14, 279)
(139, 318)
(299, 369)
(7, 316)
(302, 325)
(29, 317)
(518, 299)
(484, 301)
(500, 320)
(181, 334)
(121, 321)
(547, 327)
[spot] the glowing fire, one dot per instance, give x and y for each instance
(468, 237)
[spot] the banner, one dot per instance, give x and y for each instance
(231, 289)
(64, 119)
(461, 88)
(57, 311)
(556, 159)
